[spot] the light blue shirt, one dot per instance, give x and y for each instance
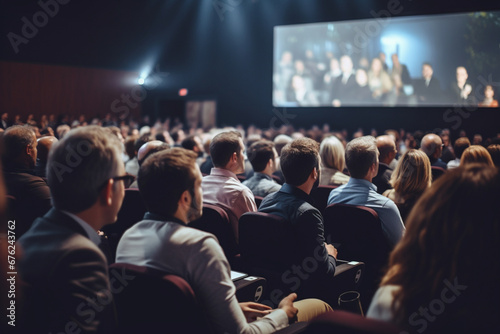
(364, 193)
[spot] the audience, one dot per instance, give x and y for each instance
(443, 275)
(476, 154)
(362, 161)
(432, 145)
(387, 149)
(65, 272)
(170, 184)
(30, 191)
(410, 179)
(222, 186)
(262, 156)
(459, 147)
(43, 148)
(332, 153)
(300, 166)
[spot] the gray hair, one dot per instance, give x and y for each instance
(80, 164)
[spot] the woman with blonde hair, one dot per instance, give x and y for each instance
(443, 274)
(411, 177)
(332, 154)
(476, 154)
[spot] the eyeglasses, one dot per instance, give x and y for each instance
(127, 180)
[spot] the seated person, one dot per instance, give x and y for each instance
(410, 179)
(300, 165)
(262, 156)
(65, 271)
(332, 153)
(170, 184)
(31, 192)
(458, 148)
(362, 161)
(440, 274)
(489, 100)
(476, 154)
(432, 145)
(222, 187)
(387, 149)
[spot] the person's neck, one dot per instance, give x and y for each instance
(306, 187)
(92, 217)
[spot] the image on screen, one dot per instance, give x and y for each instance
(432, 60)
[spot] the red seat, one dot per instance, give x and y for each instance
(150, 301)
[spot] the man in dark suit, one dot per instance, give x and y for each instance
(4, 121)
(31, 192)
(428, 89)
(66, 275)
(345, 87)
(432, 145)
(387, 149)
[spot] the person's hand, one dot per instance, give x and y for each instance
(286, 305)
(331, 250)
(253, 311)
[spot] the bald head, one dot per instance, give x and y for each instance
(149, 148)
(431, 145)
(44, 146)
(387, 148)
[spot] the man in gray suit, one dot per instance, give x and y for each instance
(68, 288)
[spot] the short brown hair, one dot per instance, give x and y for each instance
(460, 145)
(259, 154)
(494, 151)
(361, 153)
(164, 176)
(223, 146)
(298, 159)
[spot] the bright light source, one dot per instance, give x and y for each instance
(141, 81)
(183, 92)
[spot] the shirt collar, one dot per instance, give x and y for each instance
(223, 172)
(155, 216)
(362, 183)
(93, 236)
(262, 176)
(289, 189)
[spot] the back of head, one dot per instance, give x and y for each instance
(476, 154)
(259, 154)
(164, 176)
(223, 146)
(130, 146)
(332, 153)
(298, 159)
(15, 140)
(460, 145)
(412, 174)
(141, 141)
(452, 235)
(386, 147)
(150, 148)
(430, 143)
(189, 142)
(494, 151)
(361, 153)
(44, 146)
(280, 141)
(79, 165)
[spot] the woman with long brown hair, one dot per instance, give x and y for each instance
(444, 275)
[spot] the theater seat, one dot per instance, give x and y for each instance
(258, 200)
(357, 233)
(320, 195)
(266, 246)
(437, 172)
(149, 301)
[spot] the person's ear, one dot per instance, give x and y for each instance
(185, 199)
(314, 173)
(106, 194)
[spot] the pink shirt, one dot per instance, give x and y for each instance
(222, 188)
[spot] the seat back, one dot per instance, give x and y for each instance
(132, 211)
(342, 322)
(150, 301)
(320, 195)
(215, 220)
(258, 200)
(437, 172)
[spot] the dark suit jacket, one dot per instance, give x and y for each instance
(346, 93)
(306, 223)
(382, 178)
(32, 198)
(430, 94)
(66, 278)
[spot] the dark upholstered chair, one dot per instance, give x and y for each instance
(258, 200)
(267, 250)
(216, 221)
(149, 301)
(437, 172)
(357, 233)
(320, 195)
(341, 322)
(132, 211)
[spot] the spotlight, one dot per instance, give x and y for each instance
(141, 81)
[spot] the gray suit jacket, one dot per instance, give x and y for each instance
(66, 277)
